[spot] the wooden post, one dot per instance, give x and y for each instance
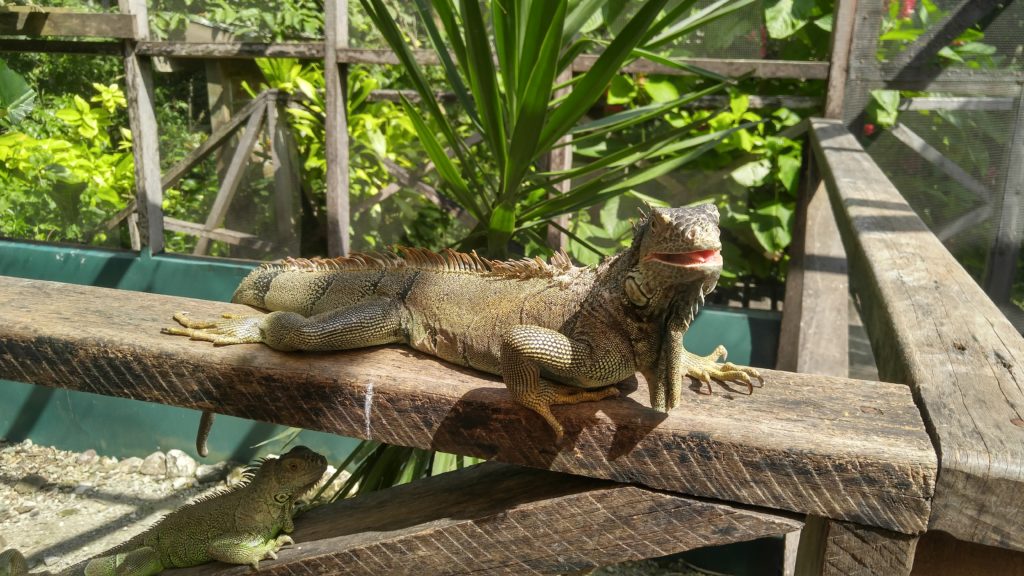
(286, 176)
(561, 159)
(336, 126)
(1002, 261)
(138, 86)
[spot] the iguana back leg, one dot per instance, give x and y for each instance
(143, 561)
(358, 326)
(527, 350)
(246, 548)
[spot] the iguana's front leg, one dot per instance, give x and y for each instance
(246, 548)
(359, 326)
(675, 363)
(528, 350)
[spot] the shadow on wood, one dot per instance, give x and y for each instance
(503, 519)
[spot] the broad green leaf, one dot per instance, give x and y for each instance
(783, 18)
(622, 90)
(752, 174)
(661, 89)
(825, 23)
(886, 107)
(739, 102)
(904, 34)
(704, 16)
(771, 226)
(789, 171)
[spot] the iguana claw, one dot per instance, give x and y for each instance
(706, 368)
(229, 329)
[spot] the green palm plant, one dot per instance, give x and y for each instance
(505, 78)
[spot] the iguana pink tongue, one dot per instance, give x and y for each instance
(694, 258)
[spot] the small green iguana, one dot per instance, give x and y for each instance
(557, 334)
(239, 525)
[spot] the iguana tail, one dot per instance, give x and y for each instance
(12, 563)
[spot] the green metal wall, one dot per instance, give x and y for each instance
(120, 427)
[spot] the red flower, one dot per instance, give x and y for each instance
(869, 129)
(907, 8)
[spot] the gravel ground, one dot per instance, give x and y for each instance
(61, 507)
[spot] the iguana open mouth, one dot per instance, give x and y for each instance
(688, 259)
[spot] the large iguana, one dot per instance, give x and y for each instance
(557, 334)
(239, 526)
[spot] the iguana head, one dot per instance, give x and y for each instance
(677, 252)
(291, 475)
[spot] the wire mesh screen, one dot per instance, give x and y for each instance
(935, 95)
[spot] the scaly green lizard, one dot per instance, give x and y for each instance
(557, 334)
(239, 526)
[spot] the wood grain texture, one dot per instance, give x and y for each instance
(336, 153)
(38, 21)
(839, 448)
(931, 326)
(829, 548)
(504, 519)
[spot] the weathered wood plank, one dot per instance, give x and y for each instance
(38, 21)
(242, 50)
(933, 327)
(504, 519)
(1002, 258)
(138, 90)
(839, 448)
(830, 548)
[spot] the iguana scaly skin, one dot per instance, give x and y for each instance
(239, 526)
(557, 334)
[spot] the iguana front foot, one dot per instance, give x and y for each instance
(543, 395)
(706, 368)
(230, 329)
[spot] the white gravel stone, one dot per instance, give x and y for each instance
(130, 465)
(154, 465)
(180, 465)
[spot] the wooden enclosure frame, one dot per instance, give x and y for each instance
(871, 466)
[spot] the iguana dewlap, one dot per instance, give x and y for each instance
(557, 334)
(239, 526)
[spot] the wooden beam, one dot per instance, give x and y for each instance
(956, 103)
(835, 447)
(932, 327)
(336, 127)
(503, 519)
(803, 70)
(233, 237)
(559, 158)
(215, 139)
(243, 50)
(232, 178)
(830, 548)
(138, 89)
(41, 21)
(109, 48)
(939, 554)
